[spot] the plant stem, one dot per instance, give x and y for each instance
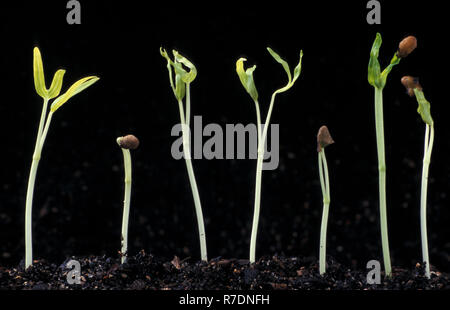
(190, 170)
(30, 189)
(259, 166)
(382, 178)
(126, 203)
(325, 185)
(429, 139)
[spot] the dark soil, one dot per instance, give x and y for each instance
(147, 272)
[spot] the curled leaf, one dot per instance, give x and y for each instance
(424, 106)
(76, 88)
(374, 66)
(190, 76)
(246, 78)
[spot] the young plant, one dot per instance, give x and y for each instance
(126, 143)
(44, 124)
(378, 79)
(181, 89)
(414, 89)
(323, 140)
(246, 78)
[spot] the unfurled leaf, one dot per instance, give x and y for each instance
(246, 78)
(297, 69)
(38, 72)
(55, 88)
(76, 88)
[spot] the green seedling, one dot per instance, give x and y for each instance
(323, 140)
(181, 89)
(126, 143)
(246, 78)
(414, 89)
(378, 79)
(44, 124)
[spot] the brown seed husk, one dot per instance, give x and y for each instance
(323, 138)
(406, 46)
(128, 142)
(410, 84)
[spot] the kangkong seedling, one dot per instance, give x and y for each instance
(323, 140)
(126, 143)
(247, 81)
(181, 89)
(44, 124)
(414, 89)
(377, 79)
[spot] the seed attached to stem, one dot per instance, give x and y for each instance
(410, 84)
(406, 46)
(323, 138)
(128, 142)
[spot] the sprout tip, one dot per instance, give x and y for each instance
(323, 138)
(128, 142)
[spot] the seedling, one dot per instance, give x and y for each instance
(44, 124)
(247, 81)
(126, 143)
(181, 89)
(378, 80)
(414, 89)
(323, 140)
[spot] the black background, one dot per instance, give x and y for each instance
(79, 187)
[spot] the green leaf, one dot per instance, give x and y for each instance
(38, 73)
(55, 88)
(297, 70)
(179, 87)
(246, 78)
(190, 76)
(76, 88)
(424, 107)
(374, 76)
(394, 61)
(282, 62)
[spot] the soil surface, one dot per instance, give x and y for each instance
(147, 272)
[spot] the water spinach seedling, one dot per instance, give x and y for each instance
(323, 140)
(246, 78)
(378, 79)
(44, 124)
(414, 89)
(126, 143)
(181, 89)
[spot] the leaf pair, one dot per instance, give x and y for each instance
(377, 78)
(248, 82)
(55, 87)
(182, 77)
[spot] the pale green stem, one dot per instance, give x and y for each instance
(188, 105)
(259, 165)
(126, 203)
(325, 185)
(429, 138)
(382, 178)
(31, 181)
(193, 183)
